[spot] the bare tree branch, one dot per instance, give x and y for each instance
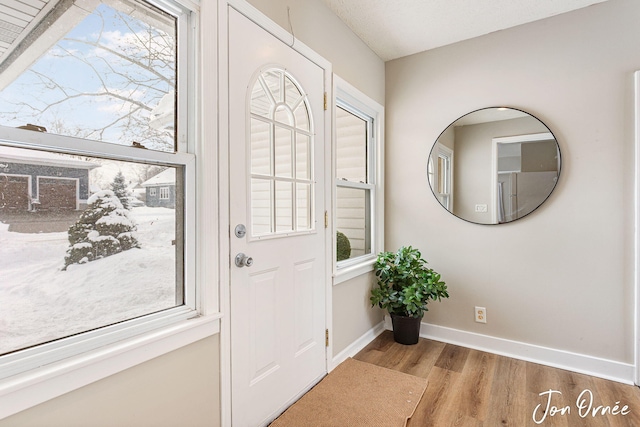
(133, 72)
(129, 59)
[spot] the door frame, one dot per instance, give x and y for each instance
(224, 195)
(438, 150)
(636, 329)
(531, 137)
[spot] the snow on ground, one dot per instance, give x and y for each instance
(39, 302)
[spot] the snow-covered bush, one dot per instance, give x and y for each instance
(103, 229)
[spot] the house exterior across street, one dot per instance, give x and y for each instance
(32, 181)
(161, 189)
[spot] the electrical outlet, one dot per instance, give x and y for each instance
(481, 315)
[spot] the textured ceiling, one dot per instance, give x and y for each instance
(396, 28)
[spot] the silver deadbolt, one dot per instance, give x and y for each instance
(243, 261)
(240, 231)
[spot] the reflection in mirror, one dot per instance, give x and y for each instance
(494, 165)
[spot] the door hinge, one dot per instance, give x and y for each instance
(325, 101)
(326, 338)
(326, 219)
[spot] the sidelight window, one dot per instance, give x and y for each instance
(355, 186)
(358, 178)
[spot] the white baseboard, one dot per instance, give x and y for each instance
(574, 362)
(356, 346)
(589, 365)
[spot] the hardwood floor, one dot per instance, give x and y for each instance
(471, 388)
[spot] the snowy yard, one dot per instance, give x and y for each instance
(39, 302)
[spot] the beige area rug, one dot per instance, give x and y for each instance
(357, 394)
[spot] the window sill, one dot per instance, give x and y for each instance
(352, 271)
(23, 391)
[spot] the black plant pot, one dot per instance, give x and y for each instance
(406, 330)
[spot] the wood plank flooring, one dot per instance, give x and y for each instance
(470, 388)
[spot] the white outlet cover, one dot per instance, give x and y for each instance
(481, 315)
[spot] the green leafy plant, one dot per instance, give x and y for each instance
(405, 284)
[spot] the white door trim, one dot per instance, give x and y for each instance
(636, 329)
(223, 177)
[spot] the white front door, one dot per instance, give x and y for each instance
(276, 159)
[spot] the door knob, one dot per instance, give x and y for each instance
(243, 261)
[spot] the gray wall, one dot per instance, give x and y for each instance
(563, 276)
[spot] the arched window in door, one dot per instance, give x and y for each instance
(280, 149)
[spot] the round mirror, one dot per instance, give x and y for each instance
(494, 165)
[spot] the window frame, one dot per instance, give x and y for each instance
(34, 375)
(355, 102)
(47, 353)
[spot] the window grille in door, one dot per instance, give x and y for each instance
(280, 148)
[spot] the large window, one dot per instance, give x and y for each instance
(357, 177)
(89, 119)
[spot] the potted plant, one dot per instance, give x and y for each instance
(404, 287)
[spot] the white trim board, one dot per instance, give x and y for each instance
(636, 330)
(580, 363)
(356, 346)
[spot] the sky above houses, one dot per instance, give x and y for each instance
(101, 80)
